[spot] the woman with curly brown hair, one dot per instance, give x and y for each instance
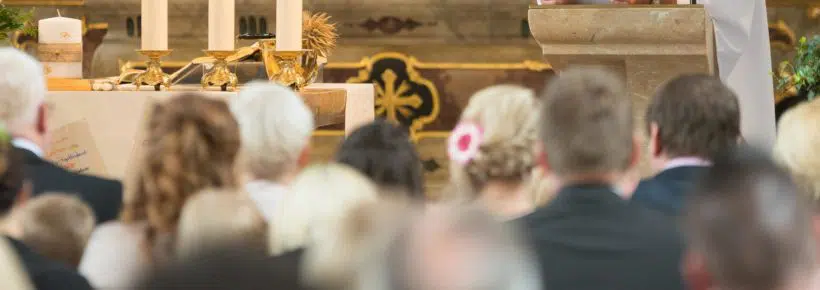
(492, 150)
(192, 145)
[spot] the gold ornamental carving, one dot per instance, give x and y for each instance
(403, 96)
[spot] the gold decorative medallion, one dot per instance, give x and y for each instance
(403, 96)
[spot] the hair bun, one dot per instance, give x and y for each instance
(511, 160)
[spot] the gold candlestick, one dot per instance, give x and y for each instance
(153, 75)
(220, 75)
(287, 69)
(310, 65)
(284, 67)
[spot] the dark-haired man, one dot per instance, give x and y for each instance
(690, 120)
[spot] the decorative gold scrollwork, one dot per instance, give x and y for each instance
(403, 96)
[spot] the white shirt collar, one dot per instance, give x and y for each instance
(686, 161)
(27, 145)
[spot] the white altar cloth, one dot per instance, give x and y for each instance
(115, 118)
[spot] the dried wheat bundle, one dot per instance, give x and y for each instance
(318, 33)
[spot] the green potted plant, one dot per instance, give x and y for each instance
(13, 20)
(801, 76)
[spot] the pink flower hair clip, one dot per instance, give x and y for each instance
(464, 141)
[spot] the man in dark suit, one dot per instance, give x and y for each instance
(46, 274)
(690, 120)
(104, 196)
(23, 110)
(589, 236)
(43, 273)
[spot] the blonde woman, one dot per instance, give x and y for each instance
(220, 218)
(309, 218)
(796, 148)
(192, 145)
(492, 150)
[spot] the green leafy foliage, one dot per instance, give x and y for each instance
(803, 73)
(4, 134)
(15, 19)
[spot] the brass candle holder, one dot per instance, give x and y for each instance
(153, 75)
(287, 69)
(220, 75)
(295, 69)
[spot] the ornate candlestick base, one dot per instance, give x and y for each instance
(287, 70)
(220, 75)
(153, 75)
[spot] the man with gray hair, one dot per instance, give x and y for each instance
(458, 248)
(275, 126)
(590, 236)
(23, 109)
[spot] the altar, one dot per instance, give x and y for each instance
(106, 129)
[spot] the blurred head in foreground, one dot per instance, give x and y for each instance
(452, 249)
(586, 128)
(318, 200)
(798, 138)
(57, 226)
(384, 153)
(229, 268)
(214, 218)
(748, 226)
(332, 263)
(492, 149)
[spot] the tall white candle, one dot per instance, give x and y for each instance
(155, 24)
(61, 47)
(288, 25)
(221, 19)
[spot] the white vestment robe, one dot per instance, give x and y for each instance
(745, 61)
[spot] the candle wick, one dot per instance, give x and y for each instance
(59, 14)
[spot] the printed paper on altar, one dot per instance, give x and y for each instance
(73, 147)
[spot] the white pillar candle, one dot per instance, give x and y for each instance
(221, 19)
(154, 24)
(288, 25)
(61, 47)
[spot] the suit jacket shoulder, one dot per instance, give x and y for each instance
(666, 192)
(591, 232)
(104, 196)
(46, 274)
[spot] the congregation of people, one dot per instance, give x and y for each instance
(547, 191)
